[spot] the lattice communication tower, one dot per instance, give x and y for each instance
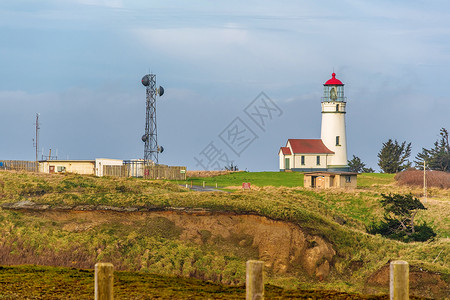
(150, 137)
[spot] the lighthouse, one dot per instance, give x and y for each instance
(333, 123)
(329, 153)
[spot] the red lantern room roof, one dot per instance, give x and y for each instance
(333, 80)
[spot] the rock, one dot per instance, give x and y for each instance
(26, 204)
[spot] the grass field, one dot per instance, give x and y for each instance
(371, 179)
(288, 179)
(277, 179)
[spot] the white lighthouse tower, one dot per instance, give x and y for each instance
(333, 123)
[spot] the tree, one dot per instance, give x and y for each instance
(437, 158)
(393, 157)
(399, 219)
(232, 167)
(356, 165)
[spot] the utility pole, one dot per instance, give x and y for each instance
(424, 182)
(36, 144)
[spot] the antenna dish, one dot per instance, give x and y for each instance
(161, 91)
(145, 80)
(160, 149)
(144, 138)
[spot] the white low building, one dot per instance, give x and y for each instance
(305, 155)
(85, 167)
(101, 162)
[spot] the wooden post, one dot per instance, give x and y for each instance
(254, 280)
(399, 280)
(104, 281)
(203, 184)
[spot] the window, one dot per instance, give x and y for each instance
(318, 160)
(337, 107)
(348, 178)
(303, 160)
(337, 141)
(61, 169)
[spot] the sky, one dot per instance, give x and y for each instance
(79, 64)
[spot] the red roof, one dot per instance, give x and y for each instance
(333, 80)
(286, 150)
(308, 146)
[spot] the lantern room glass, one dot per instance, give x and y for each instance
(326, 93)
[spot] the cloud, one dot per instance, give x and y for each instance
(198, 43)
(103, 3)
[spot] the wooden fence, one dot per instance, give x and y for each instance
(165, 172)
(116, 171)
(399, 280)
(19, 165)
(148, 172)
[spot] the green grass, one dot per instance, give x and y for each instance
(370, 179)
(288, 179)
(276, 179)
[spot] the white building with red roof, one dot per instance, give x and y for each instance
(329, 153)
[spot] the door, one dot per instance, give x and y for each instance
(51, 169)
(320, 182)
(287, 163)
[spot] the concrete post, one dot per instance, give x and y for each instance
(104, 281)
(399, 280)
(255, 280)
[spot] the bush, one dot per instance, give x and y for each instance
(385, 228)
(415, 177)
(398, 222)
(423, 233)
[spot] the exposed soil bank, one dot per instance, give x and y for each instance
(282, 246)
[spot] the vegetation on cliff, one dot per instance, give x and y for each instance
(338, 216)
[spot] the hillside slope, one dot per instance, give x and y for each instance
(155, 226)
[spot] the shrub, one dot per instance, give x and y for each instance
(415, 177)
(386, 228)
(398, 222)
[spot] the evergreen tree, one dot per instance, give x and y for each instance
(356, 165)
(402, 209)
(231, 167)
(399, 219)
(368, 170)
(437, 158)
(393, 157)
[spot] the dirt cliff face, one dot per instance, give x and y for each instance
(284, 247)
